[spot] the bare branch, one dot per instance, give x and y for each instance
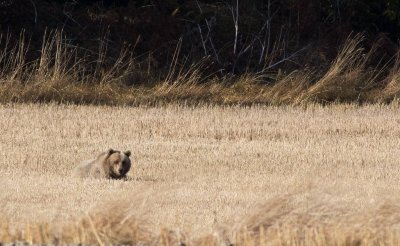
(34, 9)
(235, 16)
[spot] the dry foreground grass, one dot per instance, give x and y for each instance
(208, 175)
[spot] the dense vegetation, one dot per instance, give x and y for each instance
(215, 41)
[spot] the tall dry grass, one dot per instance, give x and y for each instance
(277, 222)
(63, 73)
(207, 175)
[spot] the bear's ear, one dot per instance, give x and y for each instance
(127, 153)
(110, 152)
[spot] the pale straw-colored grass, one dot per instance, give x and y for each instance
(208, 174)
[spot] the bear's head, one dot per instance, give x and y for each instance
(118, 163)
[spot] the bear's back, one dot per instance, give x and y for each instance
(88, 168)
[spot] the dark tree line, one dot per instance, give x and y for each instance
(233, 35)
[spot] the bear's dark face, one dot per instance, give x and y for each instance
(119, 164)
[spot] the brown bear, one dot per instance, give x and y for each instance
(111, 164)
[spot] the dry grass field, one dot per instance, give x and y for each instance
(205, 175)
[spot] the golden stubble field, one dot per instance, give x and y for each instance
(209, 170)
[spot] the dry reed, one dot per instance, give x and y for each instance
(63, 74)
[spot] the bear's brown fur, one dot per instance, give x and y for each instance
(111, 164)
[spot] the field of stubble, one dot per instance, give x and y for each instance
(208, 174)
